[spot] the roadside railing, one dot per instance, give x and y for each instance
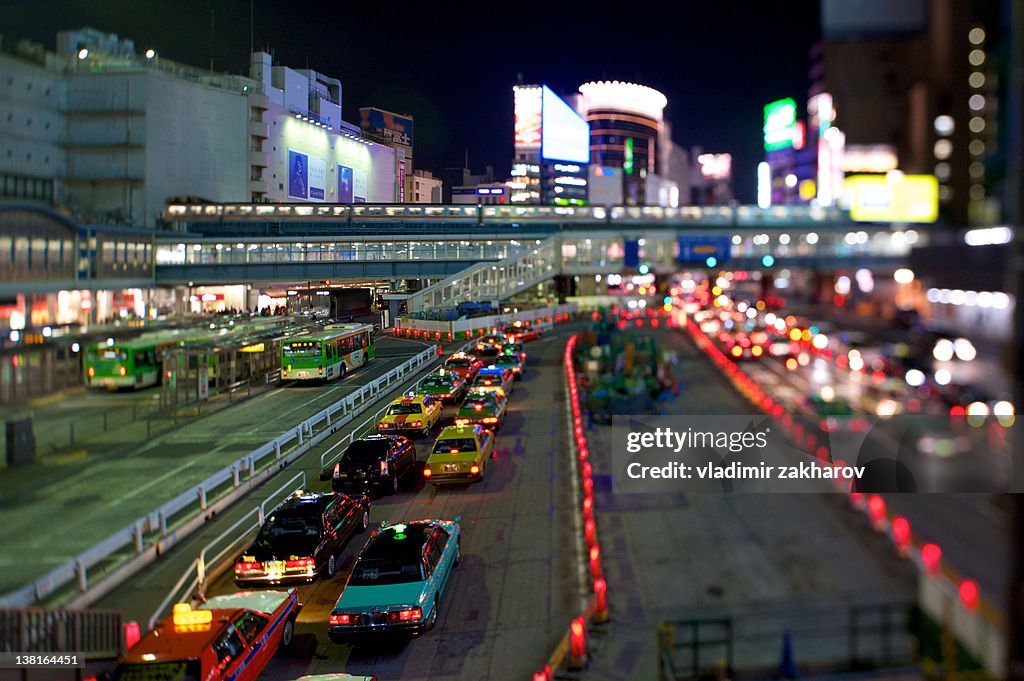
(198, 568)
(125, 552)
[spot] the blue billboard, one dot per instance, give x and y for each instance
(386, 125)
(298, 175)
(698, 250)
(344, 184)
(631, 253)
(564, 135)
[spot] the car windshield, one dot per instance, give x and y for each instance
(488, 379)
(290, 523)
(398, 409)
(366, 450)
(463, 444)
(176, 670)
(381, 571)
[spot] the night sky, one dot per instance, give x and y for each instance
(452, 65)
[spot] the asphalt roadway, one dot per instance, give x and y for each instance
(57, 507)
(769, 561)
(511, 597)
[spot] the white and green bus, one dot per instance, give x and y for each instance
(328, 354)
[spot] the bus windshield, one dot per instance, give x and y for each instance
(302, 349)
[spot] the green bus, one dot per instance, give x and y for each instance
(138, 362)
(134, 363)
(328, 354)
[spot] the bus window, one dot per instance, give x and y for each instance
(365, 339)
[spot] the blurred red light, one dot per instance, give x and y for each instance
(931, 556)
(969, 594)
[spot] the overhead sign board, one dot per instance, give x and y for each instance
(696, 249)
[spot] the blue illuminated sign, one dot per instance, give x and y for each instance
(704, 250)
(565, 136)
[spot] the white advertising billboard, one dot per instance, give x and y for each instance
(565, 136)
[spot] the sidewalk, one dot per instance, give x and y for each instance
(768, 562)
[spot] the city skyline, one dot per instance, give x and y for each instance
(714, 101)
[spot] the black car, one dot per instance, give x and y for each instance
(302, 538)
(375, 461)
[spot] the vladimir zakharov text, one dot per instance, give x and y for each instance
(666, 438)
(736, 471)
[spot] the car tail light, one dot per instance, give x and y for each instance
(515, 370)
(408, 615)
(343, 618)
(474, 469)
(122, 371)
(736, 351)
(445, 395)
(247, 567)
(92, 371)
(461, 422)
(320, 370)
(427, 473)
(478, 407)
(300, 563)
(416, 424)
(337, 470)
(490, 419)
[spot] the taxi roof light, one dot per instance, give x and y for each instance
(184, 615)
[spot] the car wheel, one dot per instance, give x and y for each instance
(331, 567)
(432, 620)
(394, 483)
(342, 371)
(364, 522)
(288, 633)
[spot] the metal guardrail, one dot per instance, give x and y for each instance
(198, 566)
(153, 529)
(828, 637)
(97, 633)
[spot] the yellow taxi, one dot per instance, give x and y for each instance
(412, 413)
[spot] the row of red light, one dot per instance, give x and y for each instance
(597, 608)
(927, 556)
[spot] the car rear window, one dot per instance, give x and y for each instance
(380, 571)
(463, 444)
(398, 409)
(437, 381)
(366, 450)
(292, 523)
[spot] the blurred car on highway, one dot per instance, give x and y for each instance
(460, 455)
(512, 363)
(374, 462)
(397, 581)
(228, 637)
(413, 413)
(444, 385)
(514, 348)
(488, 347)
(495, 376)
(464, 364)
(302, 538)
(523, 334)
(484, 407)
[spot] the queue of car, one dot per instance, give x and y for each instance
(399, 575)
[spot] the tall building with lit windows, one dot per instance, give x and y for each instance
(920, 81)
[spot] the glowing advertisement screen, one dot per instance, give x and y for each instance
(779, 124)
(307, 176)
(528, 115)
(565, 136)
(909, 198)
(344, 184)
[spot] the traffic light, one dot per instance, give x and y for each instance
(767, 260)
(712, 261)
(644, 268)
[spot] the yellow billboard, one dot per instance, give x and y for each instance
(893, 197)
